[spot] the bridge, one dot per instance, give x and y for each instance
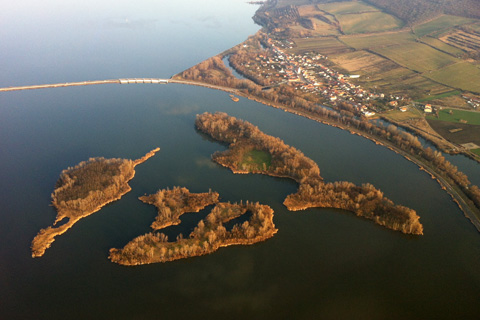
(120, 81)
(87, 83)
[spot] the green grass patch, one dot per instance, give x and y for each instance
(373, 41)
(256, 160)
(476, 151)
(417, 56)
(440, 96)
(463, 75)
(440, 45)
(440, 25)
(451, 115)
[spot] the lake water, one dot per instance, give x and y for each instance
(322, 264)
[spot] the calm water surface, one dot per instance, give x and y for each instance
(322, 264)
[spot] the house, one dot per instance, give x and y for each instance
(428, 108)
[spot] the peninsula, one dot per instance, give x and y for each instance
(252, 151)
(85, 189)
(208, 236)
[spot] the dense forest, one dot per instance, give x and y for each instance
(83, 190)
(171, 204)
(208, 236)
(287, 161)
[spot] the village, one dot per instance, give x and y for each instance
(307, 73)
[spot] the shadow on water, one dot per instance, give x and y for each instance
(189, 221)
(239, 220)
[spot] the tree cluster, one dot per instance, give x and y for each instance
(90, 183)
(208, 236)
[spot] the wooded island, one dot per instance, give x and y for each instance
(246, 140)
(208, 236)
(85, 189)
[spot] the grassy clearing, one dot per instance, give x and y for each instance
(256, 159)
(440, 45)
(450, 115)
(417, 56)
(476, 151)
(463, 75)
(373, 41)
(397, 115)
(346, 7)
(440, 25)
(440, 96)
(368, 22)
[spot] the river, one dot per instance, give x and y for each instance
(322, 263)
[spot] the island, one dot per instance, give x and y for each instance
(171, 204)
(208, 236)
(252, 151)
(85, 189)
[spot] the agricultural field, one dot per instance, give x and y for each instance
(323, 45)
(325, 24)
(417, 56)
(462, 75)
(373, 41)
(368, 22)
(468, 41)
(439, 25)
(459, 133)
(358, 17)
(442, 46)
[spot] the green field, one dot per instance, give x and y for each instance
(440, 25)
(346, 7)
(462, 75)
(373, 41)
(368, 22)
(457, 115)
(440, 45)
(440, 96)
(255, 159)
(417, 56)
(476, 151)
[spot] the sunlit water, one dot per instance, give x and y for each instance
(322, 264)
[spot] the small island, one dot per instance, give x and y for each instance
(85, 189)
(208, 236)
(252, 151)
(171, 204)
